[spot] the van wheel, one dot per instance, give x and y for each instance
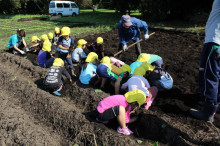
(74, 14)
(60, 14)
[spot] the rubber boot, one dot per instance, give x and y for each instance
(207, 114)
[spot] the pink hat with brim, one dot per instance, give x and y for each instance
(126, 20)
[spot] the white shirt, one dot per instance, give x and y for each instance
(212, 30)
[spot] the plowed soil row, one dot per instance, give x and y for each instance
(17, 80)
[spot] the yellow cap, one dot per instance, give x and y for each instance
(81, 42)
(65, 31)
(136, 96)
(99, 40)
(106, 60)
(140, 71)
(147, 66)
(115, 69)
(125, 68)
(47, 46)
(50, 35)
(35, 38)
(57, 30)
(58, 62)
(143, 57)
(91, 57)
(44, 37)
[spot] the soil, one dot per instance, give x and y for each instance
(32, 116)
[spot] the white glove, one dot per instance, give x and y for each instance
(125, 47)
(146, 36)
(22, 52)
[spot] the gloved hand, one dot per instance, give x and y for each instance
(22, 52)
(125, 47)
(146, 36)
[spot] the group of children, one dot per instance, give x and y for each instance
(141, 80)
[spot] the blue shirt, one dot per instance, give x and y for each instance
(86, 74)
(134, 65)
(104, 71)
(133, 32)
(14, 39)
(78, 54)
(65, 43)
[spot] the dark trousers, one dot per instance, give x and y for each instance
(19, 45)
(209, 73)
(63, 56)
(137, 47)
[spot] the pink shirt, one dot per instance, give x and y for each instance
(137, 82)
(115, 100)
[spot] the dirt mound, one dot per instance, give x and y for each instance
(32, 18)
(71, 117)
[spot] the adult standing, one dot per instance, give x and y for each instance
(210, 66)
(129, 29)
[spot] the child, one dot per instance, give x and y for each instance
(17, 43)
(143, 57)
(137, 81)
(65, 44)
(45, 58)
(120, 106)
(160, 78)
(57, 34)
(88, 73)
(51, 39)
(78, 54)
(53, 82)
(37, 44)
(104, 71)
(97, 47)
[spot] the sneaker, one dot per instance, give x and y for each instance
(15, 52)
(104, 122)
(124, 131)
(57, 93)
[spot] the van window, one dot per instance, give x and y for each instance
(52, 5)
(59, 5)
(74, 5)
(66, 5)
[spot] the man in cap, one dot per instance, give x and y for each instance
(129, 29)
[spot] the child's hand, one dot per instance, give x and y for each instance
(71, 81)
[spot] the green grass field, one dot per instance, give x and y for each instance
(87, 22)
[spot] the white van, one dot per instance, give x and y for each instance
(63, 8)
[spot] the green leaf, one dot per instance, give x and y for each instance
(98, 90)
(139, 141)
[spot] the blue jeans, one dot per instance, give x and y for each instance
(209, 73)
(49, 62)
(63, 56)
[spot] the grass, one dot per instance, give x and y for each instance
(93, 22)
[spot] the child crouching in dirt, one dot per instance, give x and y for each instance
(78, 55)
(66, 42)
(104, 71)
(88, 73)
(53, 81)
(45, 58)
(120, 107)
(37, 44)
(17, 43)
(137, 81)
(158, 77)
(143, 57)
(97, 47)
